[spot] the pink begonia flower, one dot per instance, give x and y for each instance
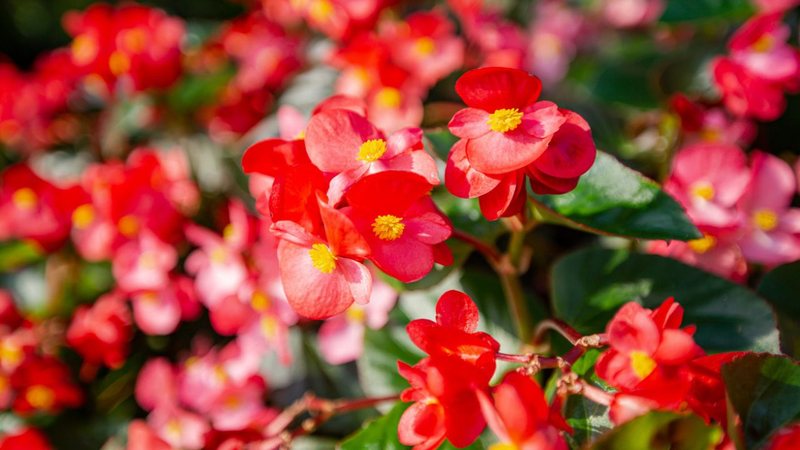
(395, 103)
(238, 405)
(712, 125)
(771, 229)
(760, 47)
(717, 255)
(160, 312)
(142, 437)
(143, 264)
(344, 143)
(632, 13)
(708, 180)
(341, 338)
(201, 378)
(553, 40)
(425, 45)
(178, 427)
(219, 270)
(323, 277)
(291, 123)
(156, 385)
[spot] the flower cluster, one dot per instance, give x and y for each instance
(450, 387)
(744, 211)
(761, 67)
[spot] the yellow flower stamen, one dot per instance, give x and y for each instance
(642, 364)
(704, 244)
(25, 199)
(371, 150)
(388, 227)
(425, 46)
(703, 190)
(389, 97)
(765, 219)
(40, 397)
(83, 216)
(322, 258)
(505, 120)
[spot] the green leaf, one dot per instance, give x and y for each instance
(661, 431)
(612, 199)
(780, 287)
(589, 286)
(696, 10)
(587, 418)
(377, 366)
(16, 254)
(765, 391)
(379, 434)
(625, 83)
(441, 141)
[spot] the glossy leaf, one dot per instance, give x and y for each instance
(765, 391)
(589, 286)
(613, 199)
(695, 10)
(661, 431)
(780, 287)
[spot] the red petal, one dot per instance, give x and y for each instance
(571, 151)
(507, 199)
(501, 153)
(342, 236)
(405, 258)
(492, 88)
(455, 309)
(390, 192)
(542, 119)
(422, 425)
(461, 179)
(334, 137)
(311, 293)
(272, 156)
(469, 123)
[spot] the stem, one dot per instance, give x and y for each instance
(512, 288)
(489, 252)
(559, 327)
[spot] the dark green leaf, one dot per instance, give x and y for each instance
(765, 391)
(377, 366)
(661, 431)
(441, 141)
(694, 10)
(780, 287)
(615, 200)
(589, 286)
(379, 434)
(16, 254)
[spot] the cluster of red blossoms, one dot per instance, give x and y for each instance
(451, 393)
(651, 364)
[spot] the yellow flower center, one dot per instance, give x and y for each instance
(703, 190)
(505, 120)
(504, 446)
(174, 428)
(388, 227)
(119, 63)
(642, 364)
(320, 10)
(389, 97)
(425, 46)
(84, 49)
(765, 219)
(128, 225)
(322, 258)
(704, 244)
(10, 354)
(40, 397)
(764, 44)
(25, 199)
(356, 314)
(219, 255)
(371, 150)
(135, 40)
(83, 216)
(260, 302)
(269, 326)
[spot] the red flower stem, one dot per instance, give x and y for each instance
(321, 410)
(489, 252)
(559, 327)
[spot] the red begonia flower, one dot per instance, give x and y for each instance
(394, 213)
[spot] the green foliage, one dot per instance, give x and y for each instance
(661, 431)
(615, 200)
(780, 287)
(697, 10)
(765, 391)
(588, 287)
